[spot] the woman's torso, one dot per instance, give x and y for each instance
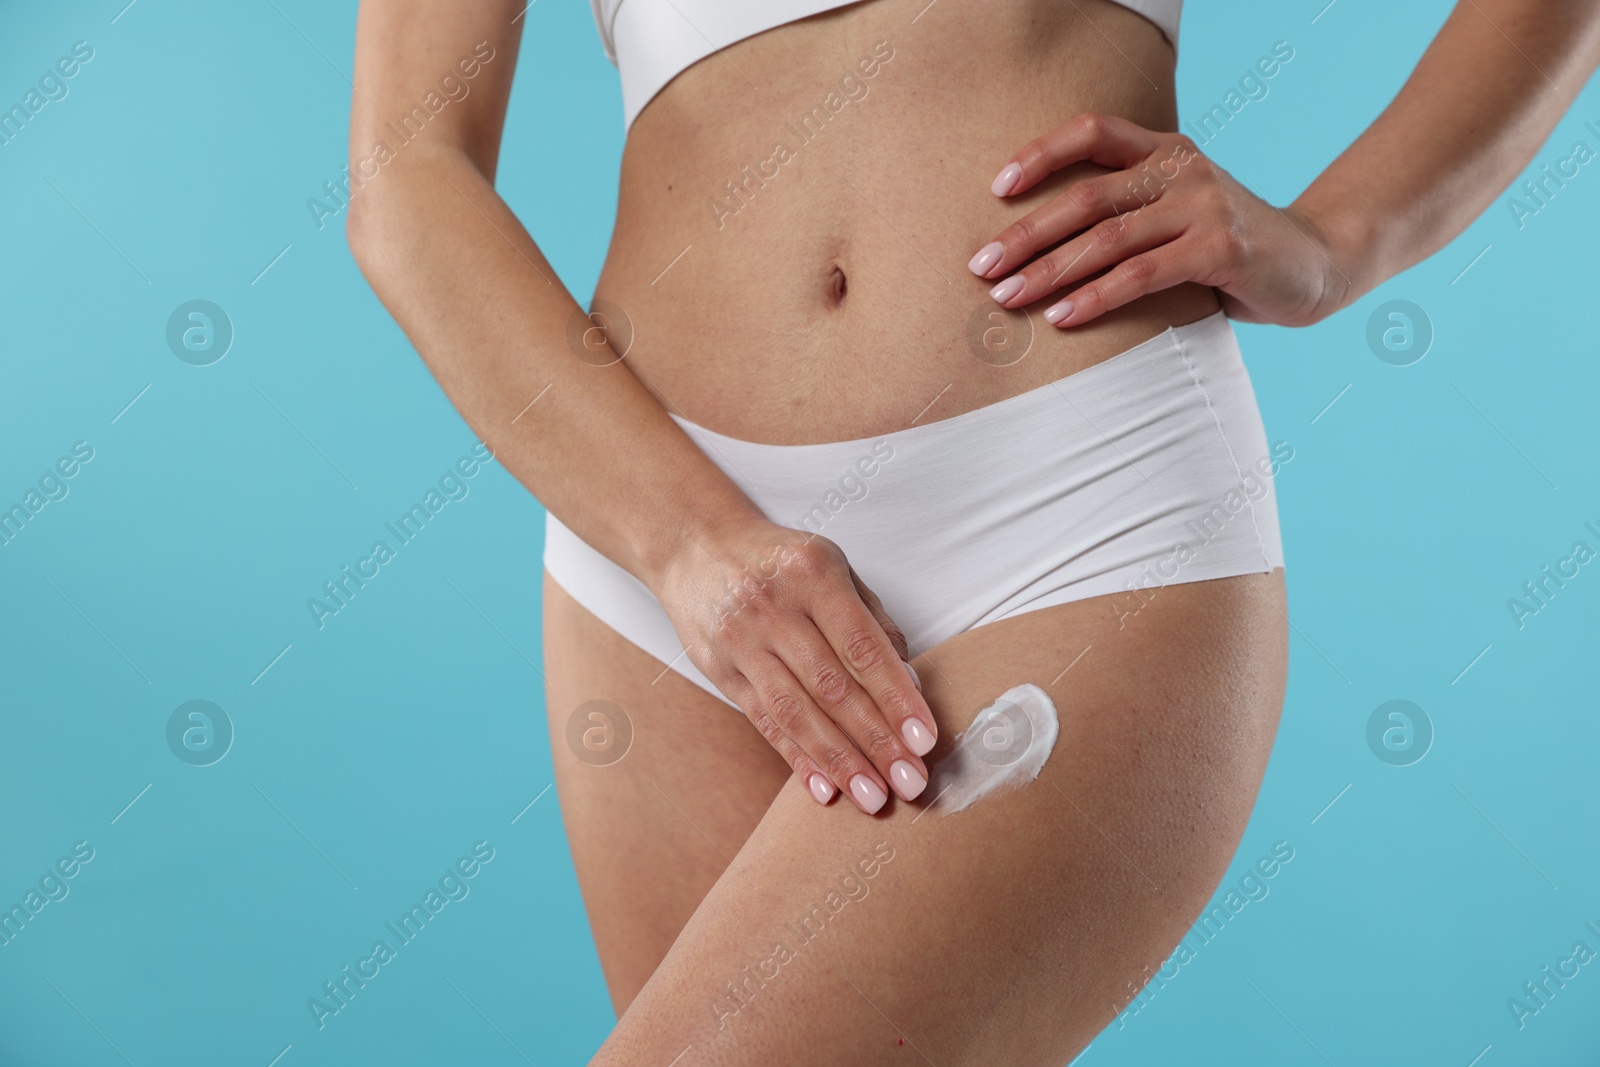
(820, 292)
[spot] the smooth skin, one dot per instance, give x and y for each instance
(1007, 933)
(817, 668)
(824, 309)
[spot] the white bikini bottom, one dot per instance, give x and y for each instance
(1147, 469)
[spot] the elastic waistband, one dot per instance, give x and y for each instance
(1210, 335)
(1148, 468)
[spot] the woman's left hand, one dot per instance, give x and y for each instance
(1165, 215)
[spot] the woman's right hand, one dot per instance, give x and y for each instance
(796, 641)
(777, 619)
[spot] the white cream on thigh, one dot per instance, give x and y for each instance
(1005, 748)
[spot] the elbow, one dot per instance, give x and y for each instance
(391, 213)
(374, 239)
(369, 218)
(361, 232)
(388, 210)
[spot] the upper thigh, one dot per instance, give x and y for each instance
(1010, 931)
(652, 829)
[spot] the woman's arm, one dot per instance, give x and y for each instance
(1483, 98)
(809, 652)
(1485, 95)
(482, 305)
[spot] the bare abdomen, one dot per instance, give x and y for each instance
(796, 214)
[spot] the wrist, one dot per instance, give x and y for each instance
(1348, 240)
(695, 537)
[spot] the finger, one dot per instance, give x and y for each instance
(1075, 210)
(1103, 245)
(743, 693)
(891, 629)
(896, 636)
(842, 698)
(1148, 272)
(920, 736)
(1108, 140)
(872, 659)
(783, 707)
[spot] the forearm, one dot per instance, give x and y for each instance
(487, 314)
(1484, 97)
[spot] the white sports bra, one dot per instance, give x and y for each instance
(652, 41)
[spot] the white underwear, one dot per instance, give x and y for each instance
(1145, 470)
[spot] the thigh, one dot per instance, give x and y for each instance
(650, 832)
(1010, 932)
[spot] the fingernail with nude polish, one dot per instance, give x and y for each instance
(821, 788)
(868, 794)
(916, 679)
(1007, 289)
(917, 737)
(907, 782)
(987, 257)
(1057, 312)
(1006, 180)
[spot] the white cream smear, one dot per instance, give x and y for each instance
(1004, 748)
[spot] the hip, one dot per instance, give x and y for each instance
(1148, 469)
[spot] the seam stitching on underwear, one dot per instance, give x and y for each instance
(1216, 420)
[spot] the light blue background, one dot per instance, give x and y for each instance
(376, 751)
